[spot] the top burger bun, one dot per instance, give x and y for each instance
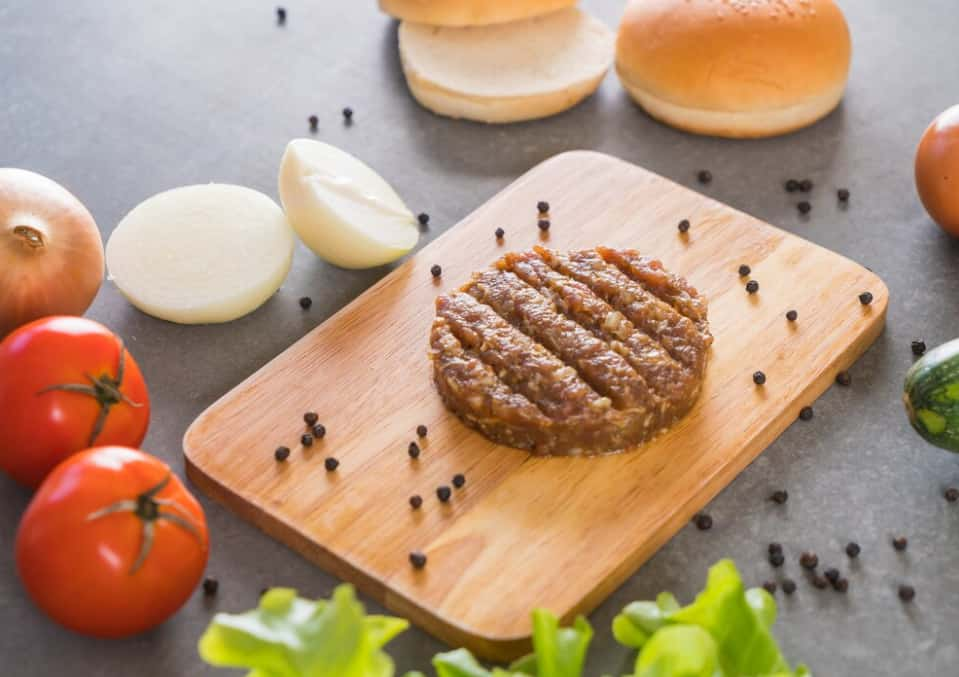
(469, 12)
(734, 68)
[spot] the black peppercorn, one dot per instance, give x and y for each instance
(779, 496)
(744, 270)
(423, 218)
(774, 548)
(752, 286)
(311, 417)
(759, 378)
(805, 185)
(499, 233)
(417, 559)
(809, 560)
(841, 585)
(819, 582)
(543, 224)
(770, 587)
(306, 439)
(907, 593)
(777, 559)
(684, 226)
(806, 414)
(804, 207)
(281, 15)
(792, 315)
(210, 586)
(843, 194)
(348, 114)
(865, 298)
(853, 549)
(831, 574)
(844, 378)
(918, 348)
(421, 430)
(416, 501)
(789, 586)
(443, 493)
(314, 122)
(331, 464)
(319, 431)
(459, 480)
(951, 494)
(542, 206)
(704, 176)
(414, 450)
(435, 270)
(281, 453)
(900, 543)
(792, 185)
(306, 302)
(703, 521)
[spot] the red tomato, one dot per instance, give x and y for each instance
(112, 544)
(66, 384)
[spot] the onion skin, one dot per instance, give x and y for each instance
(51, 253)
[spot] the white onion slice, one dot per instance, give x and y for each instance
(341, 209)
(201, 254)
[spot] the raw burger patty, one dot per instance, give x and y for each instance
(571, 353)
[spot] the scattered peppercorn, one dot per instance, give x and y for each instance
(314, 122)
(348, 115)
(779, 496)
(416, 501)
(918, 348)
(306, 302)
(907, 593)
(435, 270)
(281, 453)
(806, 414)
(844, 378)
(459, 480)
(499, 233)
(792, 185)
(423, 218)
(789, 586)
(865, 298)
(843, 194)
(311, 417)
(841, 585)
(704, 176)
(951, 494)
(809, 560)
(331, 464)
(752, 286)
(804, 207)
(792, 315)
(900, 543)
(319, 431)
(281, 15)
(777, 559)
(543, 224)
(770, 587)
(306, 439)
(759, 378)
(744, 270)
(210, 586)
(703, 521)
(774, 548)
(443, 493)
(421, 430)
(805, 185)
(819, 582)
(853, 549)
(831, 574)
(543, 207)
(414, 450)
(684, 226)
(417, 559)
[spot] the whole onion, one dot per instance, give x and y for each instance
(51, 254)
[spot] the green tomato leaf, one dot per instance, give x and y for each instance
(287, 636)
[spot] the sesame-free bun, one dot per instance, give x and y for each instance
(469, 12)
(736, 68)
(521, 70)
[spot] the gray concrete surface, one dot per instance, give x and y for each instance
(121, 100)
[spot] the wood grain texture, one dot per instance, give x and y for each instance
(525, 532)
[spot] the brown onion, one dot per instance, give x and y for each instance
(51, 254)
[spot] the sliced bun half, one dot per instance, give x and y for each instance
(469, 12)
(737, 69)
(521, 70)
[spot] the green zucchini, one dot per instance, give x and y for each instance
(931, 396)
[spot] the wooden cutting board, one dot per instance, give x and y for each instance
(526, 532)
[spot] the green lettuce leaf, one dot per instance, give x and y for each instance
(679, 651)
(287, 636)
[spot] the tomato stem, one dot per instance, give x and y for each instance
(31, 236)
